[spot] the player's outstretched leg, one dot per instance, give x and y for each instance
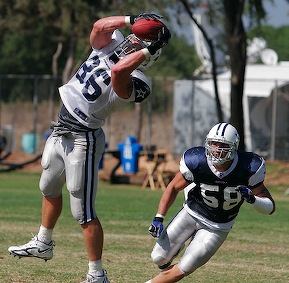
(34, 248)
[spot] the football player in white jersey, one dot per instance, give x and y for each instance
(216, 179)
(111, 77)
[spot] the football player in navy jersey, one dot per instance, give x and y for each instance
(216, 180)
(111, 77)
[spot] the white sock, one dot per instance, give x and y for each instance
(150, 281)
(45, 234)
(95, 267)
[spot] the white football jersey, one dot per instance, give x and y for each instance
(89, 96)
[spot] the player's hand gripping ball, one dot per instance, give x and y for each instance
(147, 29)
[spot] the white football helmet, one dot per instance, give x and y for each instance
(132, 44)
(222, 133)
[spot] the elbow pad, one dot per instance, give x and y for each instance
(263, 205)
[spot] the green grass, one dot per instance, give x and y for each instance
(255, 251)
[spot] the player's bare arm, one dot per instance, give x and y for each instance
(100, 35)
(121, 73)
(174, 187)
(166, 201)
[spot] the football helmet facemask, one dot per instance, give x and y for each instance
(132, 44)
(228, 136)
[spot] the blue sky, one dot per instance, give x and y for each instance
(277, 13)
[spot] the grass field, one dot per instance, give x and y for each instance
(257, 249)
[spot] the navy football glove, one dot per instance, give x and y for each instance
(163, 39)
(246, 194)
(147, 16)
(156, 227)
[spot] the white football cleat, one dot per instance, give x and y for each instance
(34, 248)
(96, 279)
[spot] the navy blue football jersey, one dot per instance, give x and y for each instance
(214, 195)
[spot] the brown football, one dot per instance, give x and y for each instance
(147, 29)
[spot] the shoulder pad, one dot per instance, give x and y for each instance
(194, 156)
(141, 89)
(252, 159)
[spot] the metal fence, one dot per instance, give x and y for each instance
(29, 103)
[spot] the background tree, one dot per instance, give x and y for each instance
(230, 12)
(276, 38)
(33, 34)
(40, 37)
(237, 45)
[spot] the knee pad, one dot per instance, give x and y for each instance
(158, 259)
(50, 190)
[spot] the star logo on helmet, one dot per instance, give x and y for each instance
(141, 93)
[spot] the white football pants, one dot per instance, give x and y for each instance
(73, 158)
(204, 242)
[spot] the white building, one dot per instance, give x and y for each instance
(266, 109)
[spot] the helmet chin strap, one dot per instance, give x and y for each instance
(219, 161)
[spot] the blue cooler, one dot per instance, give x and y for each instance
(129, 152)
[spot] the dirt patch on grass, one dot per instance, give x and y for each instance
(277, 171)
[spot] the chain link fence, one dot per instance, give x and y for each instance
(28, 104)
